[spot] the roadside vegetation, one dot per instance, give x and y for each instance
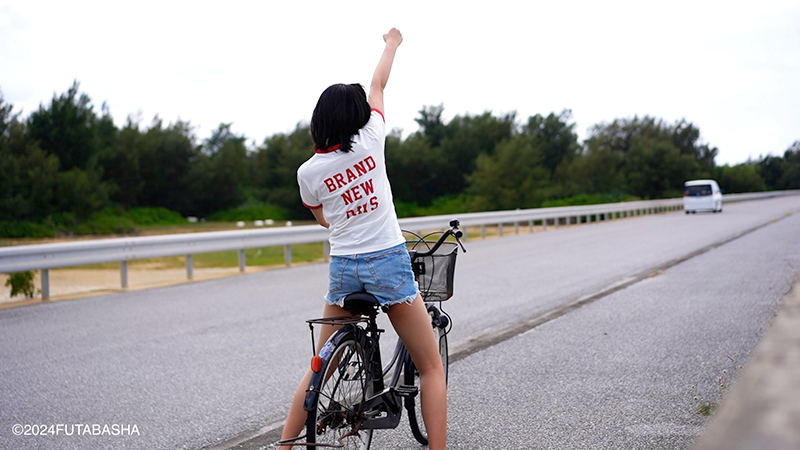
(67, 170)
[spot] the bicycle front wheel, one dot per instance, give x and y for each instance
(336, 415)
(411, 377)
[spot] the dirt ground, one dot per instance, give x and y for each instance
(71, 283)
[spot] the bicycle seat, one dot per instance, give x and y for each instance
(361, 303)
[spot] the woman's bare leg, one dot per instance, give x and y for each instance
(296, 419)
(413, 325)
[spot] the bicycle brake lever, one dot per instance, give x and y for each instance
(458, 235)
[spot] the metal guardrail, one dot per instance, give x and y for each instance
(51, 256)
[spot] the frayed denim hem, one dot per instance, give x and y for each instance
(408, 300)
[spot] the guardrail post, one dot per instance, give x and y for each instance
(287, 254)
(544, 224)
(45, 284)
(123, 273)
(326, 250)
(241, 260)
(516, 227)
(530, 227)
(483, 231)
(189, 267)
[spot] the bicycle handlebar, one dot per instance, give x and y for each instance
(453, 231)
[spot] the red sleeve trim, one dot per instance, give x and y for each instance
(381, 113)
(312, 207)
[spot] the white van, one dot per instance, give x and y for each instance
(702, 195)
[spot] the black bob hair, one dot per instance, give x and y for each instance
(341, 111)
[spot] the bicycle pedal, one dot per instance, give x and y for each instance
(404, 390)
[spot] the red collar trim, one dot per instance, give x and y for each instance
(337, 146)
(329, 149)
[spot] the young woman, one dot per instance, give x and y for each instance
(345, 186)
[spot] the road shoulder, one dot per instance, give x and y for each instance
(763, 407)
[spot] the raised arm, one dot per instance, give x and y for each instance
(393, 39)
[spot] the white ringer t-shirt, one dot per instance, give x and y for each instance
(354, 192)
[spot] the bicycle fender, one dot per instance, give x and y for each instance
(326, 352)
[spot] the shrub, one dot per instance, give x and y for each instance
(24, 228)
(588, 199)
(107, 221)
(260, 211)
(154, 216)
(21, 282)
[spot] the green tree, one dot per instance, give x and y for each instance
(644, 157)
(28, 173)
(431, 125)
(414, 168)
(9, 171)
(274, 169)
(512, 177)
(67, 129)
(219, 176)
(771, 170)
(739, 178)
(466, 138)
(790, 179)
(556, 136)
(165, 161)
(219, 138)
(781, 172)
(657, 168)
(122, 166)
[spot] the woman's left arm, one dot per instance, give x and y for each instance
(320, 217)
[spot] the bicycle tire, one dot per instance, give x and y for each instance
(341, 390)
(411, 377)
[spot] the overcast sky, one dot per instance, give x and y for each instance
(731, 68)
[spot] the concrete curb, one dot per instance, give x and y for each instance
(762, 410)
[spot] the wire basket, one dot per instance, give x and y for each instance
(434, 273)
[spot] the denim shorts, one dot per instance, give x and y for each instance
(386, 274)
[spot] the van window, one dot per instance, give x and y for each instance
(697, 190)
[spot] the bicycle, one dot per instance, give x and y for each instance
(348, 396)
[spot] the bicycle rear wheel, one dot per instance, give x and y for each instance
(336, 414)
(411, 377)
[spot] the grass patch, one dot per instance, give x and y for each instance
(588, 199)
(267, 256)
(710, 408)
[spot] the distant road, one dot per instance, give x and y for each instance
(202, 363)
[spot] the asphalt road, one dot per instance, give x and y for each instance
(683, 300)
